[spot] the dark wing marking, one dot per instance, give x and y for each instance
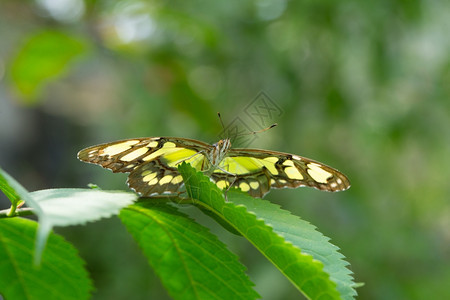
(257, 184)
(155, 178)
(151, 162)
(287, 170)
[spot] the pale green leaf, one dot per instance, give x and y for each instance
(64, 207)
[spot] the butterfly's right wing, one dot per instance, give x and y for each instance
(257, 171)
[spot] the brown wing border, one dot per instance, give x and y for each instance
(93, 154)
(337, 182)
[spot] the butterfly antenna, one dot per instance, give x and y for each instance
(221, 122)
(259, 131)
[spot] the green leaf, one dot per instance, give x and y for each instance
(282, 243)
(191, 262)
(219, 220)
(44, 56)
(6, 185)
(16, 192)
(60, 276)
(65, 207)
(302, 235)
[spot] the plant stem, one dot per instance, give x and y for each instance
(12, 209)
(8, 213)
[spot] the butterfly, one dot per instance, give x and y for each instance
(152, 166)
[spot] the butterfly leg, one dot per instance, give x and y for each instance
(225, 171)
(193, 155)
(230, 184)
(229, 187)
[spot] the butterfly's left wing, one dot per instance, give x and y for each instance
(256, 171)
(151, 162)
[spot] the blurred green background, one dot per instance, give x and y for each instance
(362, 86)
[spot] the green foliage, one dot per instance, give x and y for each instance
(44, 56)
(302, 235)
(21, 240)
(61, 275)
(12, 189)
(16, 193)
(65, 207)
(292, 245)
(363, 86)
(191, 262)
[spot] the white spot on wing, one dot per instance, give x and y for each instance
(221, 184)
(154, 155)
(317, 173)
(165, 179)
(271, 159)
(269, 163)
(118, 148)
(244, 187)
(169, 145)
(177, 179)
(134, 154)
(288, 163)
(149, 177)
(153, 181)
(293, 173)
(254, 185)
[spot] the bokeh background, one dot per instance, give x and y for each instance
(363, 86)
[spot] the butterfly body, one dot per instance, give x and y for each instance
(152, 164)
(219, 152)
